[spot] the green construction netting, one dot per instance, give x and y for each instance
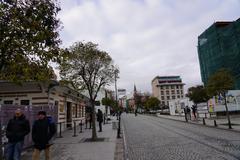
(219, 47)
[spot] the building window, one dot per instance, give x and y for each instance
(177, 91)
(172, 87)
(73, 108)
(167, 92)
(162, 97)
(8, 102)
(177, 86)
(162, 93)
(173, 97)
(178, 96)
(168, 97)
(167, 87)
(181, 92)
(82, 108)
(162, 87)
(173, 91)
(25, 102)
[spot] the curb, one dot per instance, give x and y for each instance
(125, 156)
(220, 128)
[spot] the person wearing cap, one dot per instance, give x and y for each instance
(42, 133)
(17, 128)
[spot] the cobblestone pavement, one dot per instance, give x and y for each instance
(77, 148)
(152, 138)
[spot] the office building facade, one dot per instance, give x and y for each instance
(219, 47)
(166, 88)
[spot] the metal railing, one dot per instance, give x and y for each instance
(74, 127)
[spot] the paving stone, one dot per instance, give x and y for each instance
(152, 138)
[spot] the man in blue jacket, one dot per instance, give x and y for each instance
(42, 131)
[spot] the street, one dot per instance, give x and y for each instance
(153, 138)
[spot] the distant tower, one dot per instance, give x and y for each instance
(134, 90)
(136, 97)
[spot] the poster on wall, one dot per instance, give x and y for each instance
(216, 104)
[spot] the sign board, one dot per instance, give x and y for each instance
(121, 91)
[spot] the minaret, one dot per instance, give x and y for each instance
(135, 96)
(134, 90)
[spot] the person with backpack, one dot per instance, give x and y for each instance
(17, 128)
(42, 132)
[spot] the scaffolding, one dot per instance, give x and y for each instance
(219, 47)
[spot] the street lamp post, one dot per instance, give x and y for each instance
(119, 113)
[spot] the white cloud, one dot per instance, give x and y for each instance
(146, 38)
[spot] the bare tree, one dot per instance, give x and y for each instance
(88, 68)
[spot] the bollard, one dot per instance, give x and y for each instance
(204, 123)
(215, 123)
(86, 124)
(74, 129)
(60, 128)
(80, 126)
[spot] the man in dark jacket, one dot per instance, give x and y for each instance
(17, 129)
(42, 132)
(100, 119)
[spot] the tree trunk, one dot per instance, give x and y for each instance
(227, 113)
(94, 132)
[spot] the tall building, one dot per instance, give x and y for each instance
(219, 47)
(166, 88)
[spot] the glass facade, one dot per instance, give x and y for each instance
(219, 47)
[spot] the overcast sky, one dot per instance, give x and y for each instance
(146, 38)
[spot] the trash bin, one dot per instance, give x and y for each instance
(114, 125)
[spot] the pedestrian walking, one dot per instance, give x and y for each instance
(42, 132)
(100, 119)
(135, 112)
(188, 112)
(194, 109)
(17, 128)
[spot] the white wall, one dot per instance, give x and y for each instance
(178, 105)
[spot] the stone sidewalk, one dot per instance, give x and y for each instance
(222, 123)
(80, 148)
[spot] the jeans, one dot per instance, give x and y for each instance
(13, 150)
